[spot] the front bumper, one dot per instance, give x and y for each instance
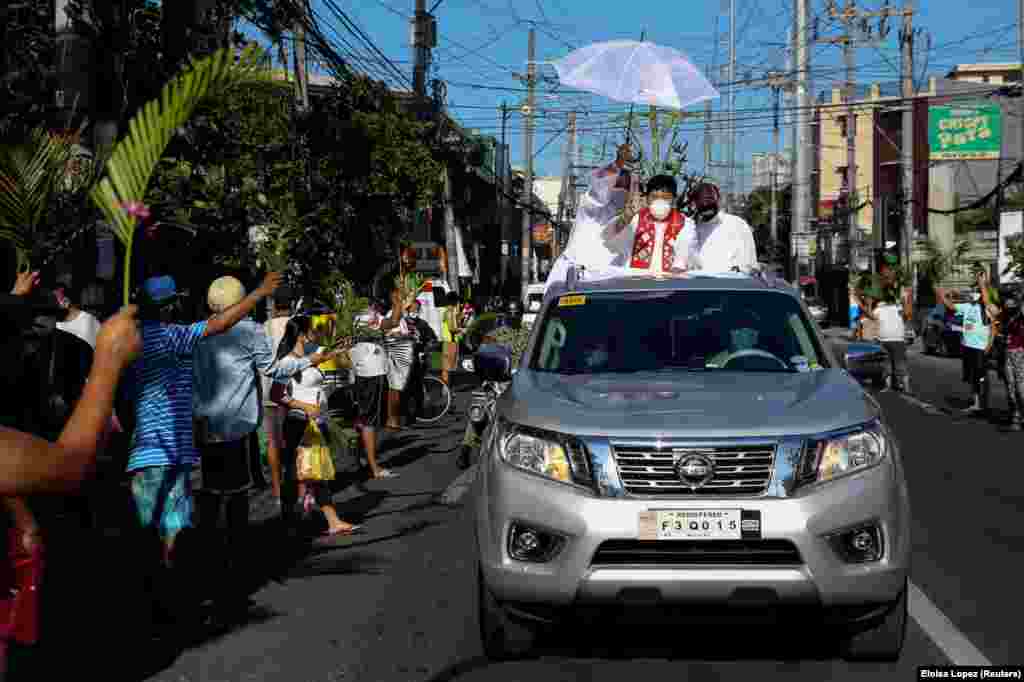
(819, 578)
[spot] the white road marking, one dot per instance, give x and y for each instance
(953, 643)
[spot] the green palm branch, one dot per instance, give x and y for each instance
(30, 174)
(341, 294)
(134, 159)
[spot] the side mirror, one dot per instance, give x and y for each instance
(493, 362)
(867, 361)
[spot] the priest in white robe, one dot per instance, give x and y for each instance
(609, 239)
(721, 242)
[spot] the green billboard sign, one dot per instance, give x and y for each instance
(965, 132)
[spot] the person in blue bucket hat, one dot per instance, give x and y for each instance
(158, 388)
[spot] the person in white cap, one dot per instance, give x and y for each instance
(227, 410)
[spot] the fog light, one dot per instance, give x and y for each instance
(859, 545)
(532, 544)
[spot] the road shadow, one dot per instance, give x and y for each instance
(348, 564)
(349, 542)
(406, 457)
(591, 645)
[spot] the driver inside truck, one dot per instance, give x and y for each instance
(743, 335)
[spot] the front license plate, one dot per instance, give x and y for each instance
(957, 328)
(691, 524)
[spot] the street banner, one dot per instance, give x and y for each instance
(1011, 228)
(960, 133)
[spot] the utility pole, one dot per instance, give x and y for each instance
(907, 141)
(529, 111)
(774, 165)
(502, 190)
(849, 40)
(802, 173)
(849, 59)
(732, 106)
(301, 76)
(424, 37)
(563, 195)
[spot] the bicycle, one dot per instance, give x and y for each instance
(434, 397)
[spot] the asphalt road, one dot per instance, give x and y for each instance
(398, 604)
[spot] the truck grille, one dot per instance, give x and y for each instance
(739, 469)
(697, 552)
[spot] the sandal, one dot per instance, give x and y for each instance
(385, 473)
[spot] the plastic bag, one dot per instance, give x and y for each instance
(313, 456)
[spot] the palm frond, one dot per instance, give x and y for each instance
(135, 157)
(30, 174)
(341, 294)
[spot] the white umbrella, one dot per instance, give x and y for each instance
(636, 72)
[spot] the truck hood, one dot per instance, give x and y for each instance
(709, 404)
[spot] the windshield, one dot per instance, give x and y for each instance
(732, 331)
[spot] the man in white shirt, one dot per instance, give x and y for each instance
(721, 242)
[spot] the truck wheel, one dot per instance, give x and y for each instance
(884, 641)
(503, 638)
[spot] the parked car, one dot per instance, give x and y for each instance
(688, 448)
(942, 332)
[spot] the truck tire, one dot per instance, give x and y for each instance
(883, 641)
(503, 638)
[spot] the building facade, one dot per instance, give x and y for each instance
(761, 169)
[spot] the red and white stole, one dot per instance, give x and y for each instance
(643, 241)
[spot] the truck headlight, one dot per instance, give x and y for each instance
(548, 454)
(830, 458)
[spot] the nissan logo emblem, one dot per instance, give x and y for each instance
(695, 470)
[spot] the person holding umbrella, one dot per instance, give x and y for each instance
(610, 237)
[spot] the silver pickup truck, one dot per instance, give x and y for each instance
(686, 447)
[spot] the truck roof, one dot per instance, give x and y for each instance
(680, 282)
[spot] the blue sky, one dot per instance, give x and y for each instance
(481, 43)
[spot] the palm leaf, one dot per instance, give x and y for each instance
(347, 306)
(134, 158)
(30, 174)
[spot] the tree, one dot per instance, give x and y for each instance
(757, 212)
(27, 78)
(120, 193)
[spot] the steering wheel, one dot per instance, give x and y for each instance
(752, 352)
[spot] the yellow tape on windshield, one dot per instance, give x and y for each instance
(566, 301)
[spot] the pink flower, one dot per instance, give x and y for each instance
(135, 209)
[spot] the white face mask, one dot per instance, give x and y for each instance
(660, 208)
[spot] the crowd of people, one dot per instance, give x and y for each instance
(992, 333)
(186, 397)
